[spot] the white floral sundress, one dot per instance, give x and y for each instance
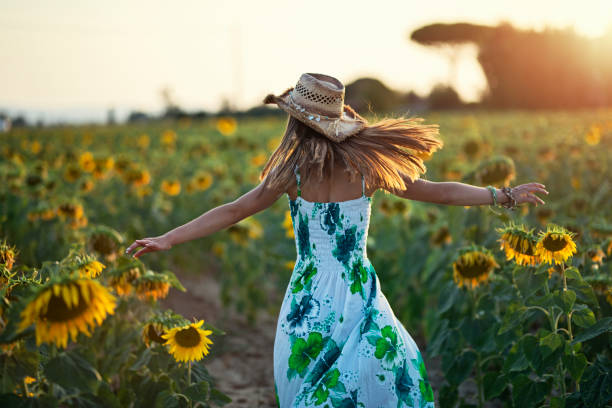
(338, 343)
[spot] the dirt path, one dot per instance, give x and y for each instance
(242, 360)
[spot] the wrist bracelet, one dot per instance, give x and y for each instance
(511, 200)
(494, 194)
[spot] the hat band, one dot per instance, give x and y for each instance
(311, 116)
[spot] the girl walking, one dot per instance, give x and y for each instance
(338, 342)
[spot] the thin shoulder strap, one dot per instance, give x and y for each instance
(297, 177)
(362, 186)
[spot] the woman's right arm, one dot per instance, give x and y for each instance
(216, 219)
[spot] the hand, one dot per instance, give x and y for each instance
(526, 193)
(161, 243)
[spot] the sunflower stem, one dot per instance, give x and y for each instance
(569, 315)
(478, 362)
(189, 379)
(189, 374)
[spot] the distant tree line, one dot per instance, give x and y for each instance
(553, 68)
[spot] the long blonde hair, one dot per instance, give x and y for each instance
(382, 152)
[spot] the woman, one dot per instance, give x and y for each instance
(338, 343)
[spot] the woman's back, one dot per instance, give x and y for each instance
(333, 188)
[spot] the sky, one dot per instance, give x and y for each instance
(75, 59)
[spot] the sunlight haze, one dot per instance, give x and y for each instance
(67, 56)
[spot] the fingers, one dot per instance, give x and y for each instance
(137, 243)
(142, 251)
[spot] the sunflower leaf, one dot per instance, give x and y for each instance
(70, 370)
(602, 326)
(583, 316)
(565, 299)
(198, 392)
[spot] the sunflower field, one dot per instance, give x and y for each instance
(516, 304)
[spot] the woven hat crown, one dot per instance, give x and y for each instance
(319, 93)
(317, 100)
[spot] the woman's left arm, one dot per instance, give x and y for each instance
(216, 219)
(456, 193)
(467, 194)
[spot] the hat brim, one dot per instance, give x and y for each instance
(336, 129)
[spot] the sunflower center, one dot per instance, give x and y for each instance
(473, 270)
(188, 337)
(58, 310)
(518, 247)
(553, 243)
(154, 336)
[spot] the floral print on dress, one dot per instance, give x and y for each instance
(338, 343)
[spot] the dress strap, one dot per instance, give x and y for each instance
(297, 178)
(362, 186)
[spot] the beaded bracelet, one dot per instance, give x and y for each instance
(512, 201)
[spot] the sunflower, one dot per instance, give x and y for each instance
(226, 125)
(102, 167)
(518, 243)
(66, 308)
(152, 332)
(122, 279)
(188, 343)
(497, 171)
(72, 173)
(105, 241)
(159, 324)
(473, 266)
(91, 269)
(86, 185)
(556, 244)
(168, 138)
(245, 229)
(86, 161)
(137, 177)
(70, 210)
(596, 254)
(143, 141)
(152, 285)
(203, 180)
(593, 136)
(171, 187)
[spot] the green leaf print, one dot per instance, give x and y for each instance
(424, 385)
(403, 385)
(305, 278)
(349, 402)
(358, 275)
(303, 237)
(330, 382)
(368, 322)
(303, 352)
(345, 244)
(324, 364)
(331, 218)
(386, 344)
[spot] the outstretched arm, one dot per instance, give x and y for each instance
(211, 221)
(455, 193)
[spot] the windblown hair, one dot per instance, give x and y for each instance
(384, 152)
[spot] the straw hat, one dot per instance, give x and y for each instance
(318, 101)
